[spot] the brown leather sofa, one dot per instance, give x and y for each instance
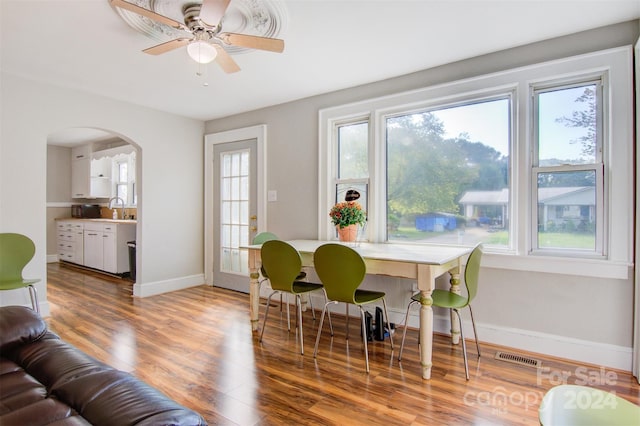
(46, 381)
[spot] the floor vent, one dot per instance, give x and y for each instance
(518, 359)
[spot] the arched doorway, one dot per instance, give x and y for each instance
(107, 167)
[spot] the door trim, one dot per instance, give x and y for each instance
(259, 133)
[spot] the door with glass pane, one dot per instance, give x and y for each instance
(234, 212)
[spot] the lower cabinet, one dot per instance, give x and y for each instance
(70, 239)
(93, 251)
(105, 246)
(96, 244)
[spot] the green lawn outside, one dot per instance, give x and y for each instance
(501, 238)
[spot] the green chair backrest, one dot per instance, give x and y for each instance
(282, 263)
(341, 270)
(16, 250)
(578, 405)
(472, 271)
(263, 237)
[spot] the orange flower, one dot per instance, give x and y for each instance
(347, 213)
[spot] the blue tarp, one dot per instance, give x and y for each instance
(436, 222)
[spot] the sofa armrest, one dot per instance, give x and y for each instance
(18, 326)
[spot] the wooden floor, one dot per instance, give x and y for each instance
(197, 347)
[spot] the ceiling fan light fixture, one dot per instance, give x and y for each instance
(201, 51)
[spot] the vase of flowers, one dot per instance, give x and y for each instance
(346, 216)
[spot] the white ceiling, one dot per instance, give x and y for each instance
(329, 45)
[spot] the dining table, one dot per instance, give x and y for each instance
(420, 262)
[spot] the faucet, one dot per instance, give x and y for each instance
(116, 200)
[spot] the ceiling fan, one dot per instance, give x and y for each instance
(207, 41)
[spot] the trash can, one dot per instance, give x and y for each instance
(132, 259)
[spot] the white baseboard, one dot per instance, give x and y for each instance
(584, 351)
(588, 352)
(52, 258)
(166, 286)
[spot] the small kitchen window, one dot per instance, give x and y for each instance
(124, 182)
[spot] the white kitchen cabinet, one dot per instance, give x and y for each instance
(105, 245)
(70, 241)
(96, 243)
(90, 178)
(93, 245)
(80, 178)
(116, 250)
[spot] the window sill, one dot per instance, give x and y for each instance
(559, 265)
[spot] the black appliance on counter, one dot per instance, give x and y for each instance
(90, 211)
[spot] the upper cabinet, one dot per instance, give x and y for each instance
(90, 178)
(96, 174)
(100, 177)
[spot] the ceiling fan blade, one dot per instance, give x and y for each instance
(253, 42)
(167, 46)
(212, 11)
(225, 60)
(149, 14)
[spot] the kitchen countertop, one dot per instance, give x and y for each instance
(100, 219)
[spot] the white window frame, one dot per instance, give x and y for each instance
(131, 175)
(598, 166)
(350, 181)
(618, 120)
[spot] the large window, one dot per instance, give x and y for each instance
(533, 162)
(447, 174)
(568, 168)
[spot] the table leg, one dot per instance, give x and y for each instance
(426, 333)
(426, 284)
(455, 288)
(254, 290)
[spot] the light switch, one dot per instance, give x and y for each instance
(272, 195)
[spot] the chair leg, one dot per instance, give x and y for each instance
(315, 349)
(404, 331)
(464, 345)
(266, 313)
(313, 312)
(288, 314)
(386, 315)
(326, 300)
(347, 319)
(475, 333)
(364, 338)
(33, 294)
(299, 323)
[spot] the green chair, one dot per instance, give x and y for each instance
(341, 270)
(282, 263)
(262, 238)
(570, 405)
(447, 299)
(16, 250)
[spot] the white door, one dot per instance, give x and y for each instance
(232, 205)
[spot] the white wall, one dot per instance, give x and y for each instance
(583, 318)
(170, 235)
